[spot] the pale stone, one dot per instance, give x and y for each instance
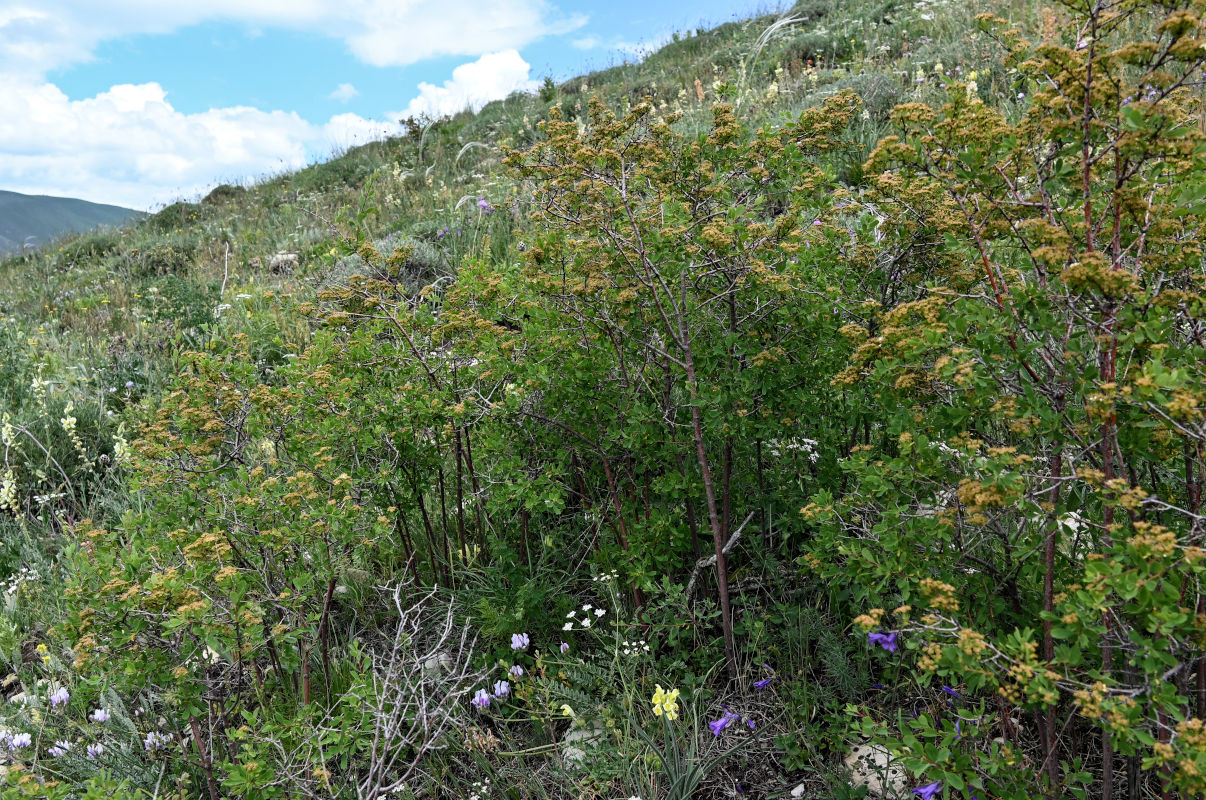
(872, 766)
(280, 261)
(575, 741)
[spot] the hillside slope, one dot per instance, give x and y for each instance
(814, 408)
(38, 219)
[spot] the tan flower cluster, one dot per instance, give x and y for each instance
(869, 620)
(940, 595)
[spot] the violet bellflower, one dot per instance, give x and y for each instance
(928, 791)
(716, 726)
(885, 640)
(762, 684)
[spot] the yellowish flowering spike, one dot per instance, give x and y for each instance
(665, 703)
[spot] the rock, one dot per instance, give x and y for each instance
(797, 791)
(872, 766)
(576, 741)
(282, 262)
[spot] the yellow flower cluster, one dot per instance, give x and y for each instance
(665, 703)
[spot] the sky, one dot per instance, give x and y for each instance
(139, 103)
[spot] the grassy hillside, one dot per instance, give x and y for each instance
(823, 391)
(34, 220)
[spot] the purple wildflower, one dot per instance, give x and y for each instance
(716, 726)
(481, 699)
(885, 640)
(564, 648)
(156, 741)
(516, 671)
(100, 715)
(762, 684)
(95, 750)
(928, 791)
(501, 690)
(59, 749)
(59, 696)
(948, 690)
(520, 641)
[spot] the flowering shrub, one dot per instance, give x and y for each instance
(1032, 504)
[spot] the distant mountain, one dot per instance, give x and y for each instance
(37, 219)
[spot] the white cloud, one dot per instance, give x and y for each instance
(343, 93)
(130, 147)
(587, 42)
(40, 35)
(491, 77)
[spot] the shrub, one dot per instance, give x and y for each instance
(222, 194)
(169, 256)
(1030, 505)
(180, 214)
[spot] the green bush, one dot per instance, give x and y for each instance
(180, 214)
(170, 256)
(222, 194)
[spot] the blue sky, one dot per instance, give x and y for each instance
(139, 102)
